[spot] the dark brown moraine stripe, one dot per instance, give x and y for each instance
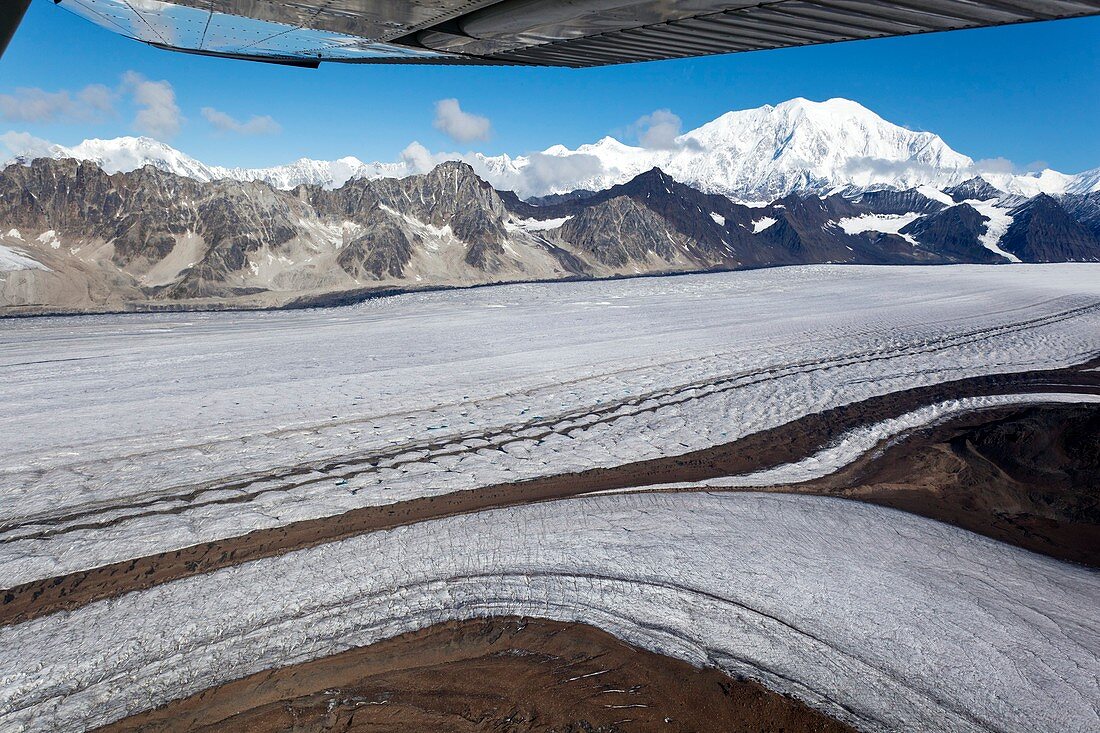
(487, 675)
(765, 449)
(1028, 475)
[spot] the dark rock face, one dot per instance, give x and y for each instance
(484, 233)
(1085, 210)
(144, 212)
(954, 234)
(171, 237)
(153, 211)
(890, 201)
(139, 212)
(705, 225)
(711, 225)
(451, 195)
(976, 189)
(62, 195)
(381, 249)
(1043, 231)
(237, 220)
(621, 231)
(561, 198)
(807, 230)
(444, 197)
(718, 233)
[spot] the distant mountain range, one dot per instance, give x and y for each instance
(75, 238)
(134, 224)
(756, 155)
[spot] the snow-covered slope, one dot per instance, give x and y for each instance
(765, 153)
(124, 154)
(1046, 181)
(749, 155)
(762, 154)
(1086, 182)
(325, 173)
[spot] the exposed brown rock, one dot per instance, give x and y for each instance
(1027, 475)
(149, 240)
(502, 674)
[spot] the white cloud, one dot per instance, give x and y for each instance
(540, 174)
(995, 165)
(418, 159)
(1004, 166)
(25, 145)
(159, 115)
(31, 104)
(878, 168)
(460, 126)
(660, 130)
(550, 172)
(255, 125)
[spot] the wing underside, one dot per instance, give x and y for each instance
(570, 33)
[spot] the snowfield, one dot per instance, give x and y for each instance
(882, 619)
(130, 435)
(12, 259)
(880, 223)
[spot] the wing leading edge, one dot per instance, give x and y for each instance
(570, 33)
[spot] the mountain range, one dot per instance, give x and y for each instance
(96, 231)
(77, 239)
(755, 155)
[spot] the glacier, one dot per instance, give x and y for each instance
(856, 443)
(885, 620)
(185, 428)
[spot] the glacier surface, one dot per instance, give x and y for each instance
(129, 435)
(886, 620)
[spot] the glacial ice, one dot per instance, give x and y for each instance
(884, 619)
(126, 435)
(855, 443)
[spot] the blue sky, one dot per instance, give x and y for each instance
(1027, 93)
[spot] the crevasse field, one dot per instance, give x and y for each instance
(889, 621)
(129, 435)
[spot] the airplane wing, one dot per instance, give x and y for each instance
(570, 33)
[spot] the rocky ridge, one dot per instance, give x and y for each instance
(76, 238)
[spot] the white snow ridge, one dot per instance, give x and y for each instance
(749, 155)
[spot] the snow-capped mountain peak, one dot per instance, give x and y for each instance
(767, 152)
(749, 155)
(124, 154)
(325, 173)
(130, 153)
